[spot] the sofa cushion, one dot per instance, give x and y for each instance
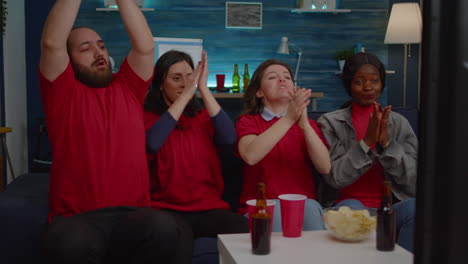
(23, 221)
(23, 218)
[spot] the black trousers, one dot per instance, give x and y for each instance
(204, 224)
(112, 235)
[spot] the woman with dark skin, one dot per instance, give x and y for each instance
(369, 144)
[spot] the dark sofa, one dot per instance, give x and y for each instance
(23, 221)
(24, 207)
(23, 218)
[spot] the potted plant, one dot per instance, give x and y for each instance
(342, 56)
(3, 15)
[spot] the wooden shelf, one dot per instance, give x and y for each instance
(387, 72)
(240, 95)
(224, 95)
(106, 9)
(334, 11)
(4, 130)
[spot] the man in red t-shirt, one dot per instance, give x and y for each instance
(99, 186)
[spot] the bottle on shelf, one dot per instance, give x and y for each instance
(261, 228)
(386, 221)
(359, 48)
(245, 78)
(236, 80)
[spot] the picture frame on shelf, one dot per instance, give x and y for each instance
(244, 15)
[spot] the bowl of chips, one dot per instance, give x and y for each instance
(349, 224)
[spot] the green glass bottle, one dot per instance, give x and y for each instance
(246, 78)
(235, 80)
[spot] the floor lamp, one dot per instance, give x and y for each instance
(404, 27)
(284, 49)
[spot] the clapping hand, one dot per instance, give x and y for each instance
(299, 99)
(384, 138)
(377, 130)
(193, 82)
(203, 80)
(304, 120)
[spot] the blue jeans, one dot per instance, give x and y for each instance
(404, 211)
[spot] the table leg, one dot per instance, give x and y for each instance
(8, 156)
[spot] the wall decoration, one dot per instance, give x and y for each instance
(3, 15)
(244, 15)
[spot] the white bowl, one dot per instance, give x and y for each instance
(348, 224)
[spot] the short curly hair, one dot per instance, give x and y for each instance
(354, 63)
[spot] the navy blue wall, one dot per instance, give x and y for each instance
(320, 35)
(35, 15)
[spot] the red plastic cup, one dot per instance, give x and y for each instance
(220, 82)
(251, 207)
(292, 214)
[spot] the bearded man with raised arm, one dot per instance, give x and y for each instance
(99, 184)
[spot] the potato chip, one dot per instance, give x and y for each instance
(349, 224)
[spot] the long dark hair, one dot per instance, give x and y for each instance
(252, 104)
(154, 101)
(355, 62)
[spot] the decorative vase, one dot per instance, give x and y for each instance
(318, 4)
(331, 4)
(341, 64)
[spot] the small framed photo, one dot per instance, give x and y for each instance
(244, 15)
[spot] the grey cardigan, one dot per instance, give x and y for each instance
(349, 161)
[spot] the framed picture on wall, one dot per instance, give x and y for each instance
(193, 47)
(244, 15)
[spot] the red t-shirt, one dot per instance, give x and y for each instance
(368, 188)
(97, 137)
(185, 173)
(285, 169)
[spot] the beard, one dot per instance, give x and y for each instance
(94, 79)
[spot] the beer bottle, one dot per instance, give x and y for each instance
(386, 221)
(261, 218)
(246, 77)
(235, 80)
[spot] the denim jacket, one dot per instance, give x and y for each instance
(350, 161)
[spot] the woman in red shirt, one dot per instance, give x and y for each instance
(370, 144)
(183, 139)
(279, 143)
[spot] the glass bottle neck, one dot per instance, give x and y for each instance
(261, 197)
(387, 193)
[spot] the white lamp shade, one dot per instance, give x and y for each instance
(283, 47)
(404, 24)
(109, 3)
